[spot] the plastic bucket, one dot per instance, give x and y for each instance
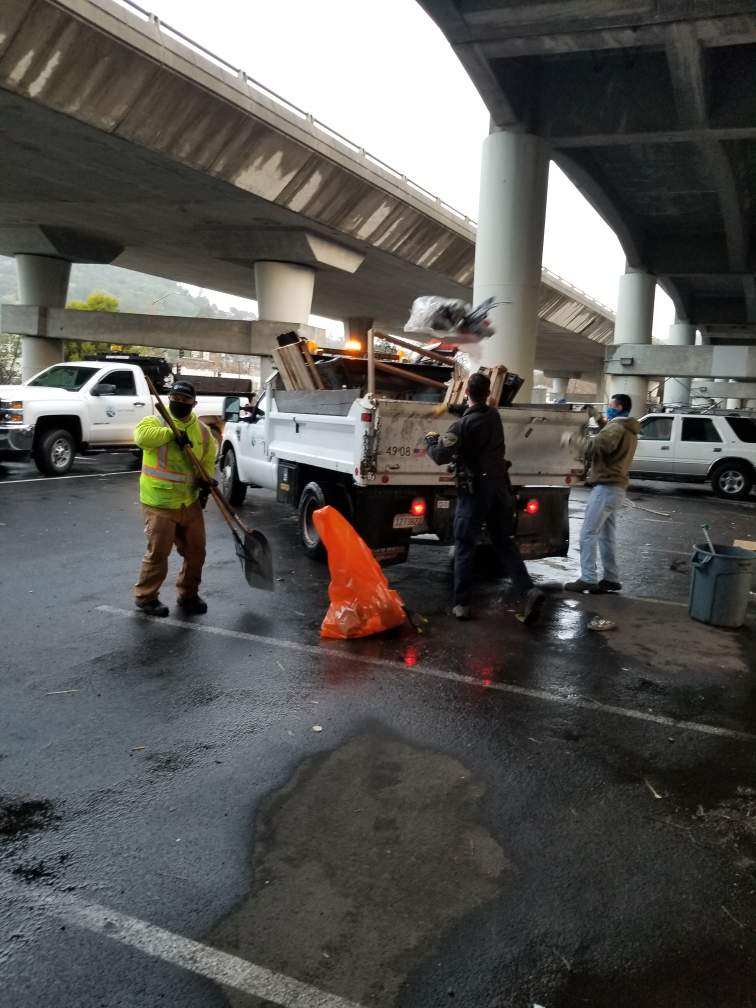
(720, 585)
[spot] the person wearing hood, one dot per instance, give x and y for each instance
(609, 454)
(172, 500)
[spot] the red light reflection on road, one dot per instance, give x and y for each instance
(483, 669)
(411, 656)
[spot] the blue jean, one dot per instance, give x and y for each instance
(599, 532)
(491, 505)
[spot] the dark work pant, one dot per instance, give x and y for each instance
(491, 505)
(165, 528)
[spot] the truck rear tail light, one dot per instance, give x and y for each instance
(366, 417)
(417, 507)
(532, 506)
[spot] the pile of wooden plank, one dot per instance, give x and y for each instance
(455, 393)
(295, 365)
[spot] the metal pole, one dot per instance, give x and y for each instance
(370, 363)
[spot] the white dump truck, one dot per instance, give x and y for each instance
(366, 455)
(83, 407)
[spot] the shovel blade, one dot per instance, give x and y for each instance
(256, 560)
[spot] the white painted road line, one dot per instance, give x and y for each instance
(59, 479)
(436, 673)
(203, 960)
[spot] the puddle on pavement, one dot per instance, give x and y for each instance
(568, 622)
(713, 975)
(361, 863)
(20, 817)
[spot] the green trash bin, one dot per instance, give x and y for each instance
(720, 585)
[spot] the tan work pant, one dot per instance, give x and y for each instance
(183, 527)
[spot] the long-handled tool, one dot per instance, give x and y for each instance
(251, 546)
(706, 530)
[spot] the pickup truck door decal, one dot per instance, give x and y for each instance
(114, 417)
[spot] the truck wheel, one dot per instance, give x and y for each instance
(55, 452)
(231, 486)
(313, 497)
(732, 480)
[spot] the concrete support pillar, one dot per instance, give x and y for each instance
(509, 247)
(749, 403)
(600, 379)
(635, 315)
(284, 294)
(284, 291)
(733, 404)
(677, 390)
(559, 387)
(42, 281)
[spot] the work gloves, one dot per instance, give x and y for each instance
(182, 439)
(205, 487)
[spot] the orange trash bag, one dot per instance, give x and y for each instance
(361, 601)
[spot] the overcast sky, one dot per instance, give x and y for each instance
(383, 75)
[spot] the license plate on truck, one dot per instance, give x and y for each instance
(402, 521)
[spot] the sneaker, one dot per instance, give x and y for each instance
(461, 612)
(153, 607)
(193, 605)
(583, 586)
(531, 610)
(609, 586)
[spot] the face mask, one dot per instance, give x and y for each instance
(611, 413)
(181, 410)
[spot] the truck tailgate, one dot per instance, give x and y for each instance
(543, 443)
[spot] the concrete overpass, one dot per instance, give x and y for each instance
(124, 142)
(648, 108)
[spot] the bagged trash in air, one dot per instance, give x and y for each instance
(451, 321)
(361, 601)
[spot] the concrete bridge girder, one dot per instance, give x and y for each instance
(723, 390)
(647, 361)
(254, 338)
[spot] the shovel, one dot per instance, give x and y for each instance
(251, 546)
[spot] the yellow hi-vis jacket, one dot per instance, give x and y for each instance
(168, 478)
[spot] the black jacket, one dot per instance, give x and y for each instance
(477, 440)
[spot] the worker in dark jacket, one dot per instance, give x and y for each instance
(475, 443)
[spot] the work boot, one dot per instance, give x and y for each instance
(461, 612)
(583, 586)
(192, 605)
(532, 607)
(152, 607)
(609, 586)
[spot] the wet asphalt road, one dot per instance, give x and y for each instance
(490, 816)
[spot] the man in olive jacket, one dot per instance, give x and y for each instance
(610, 455)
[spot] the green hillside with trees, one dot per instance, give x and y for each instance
(108, 288)
(135, 292)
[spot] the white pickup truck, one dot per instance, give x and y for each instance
(78, 408)
(367, 456)
(695, 447)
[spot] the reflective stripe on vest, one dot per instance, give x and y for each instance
(167, 475)
(162, 472)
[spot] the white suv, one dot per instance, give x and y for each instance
(699, 447)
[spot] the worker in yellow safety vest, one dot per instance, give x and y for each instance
(173, 498)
